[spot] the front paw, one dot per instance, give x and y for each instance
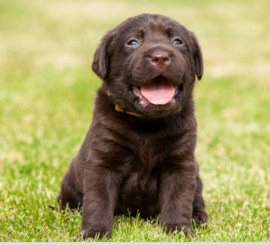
(99, 233)
(178, 227)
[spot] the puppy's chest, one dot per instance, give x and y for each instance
(149, 162)
(146, 161)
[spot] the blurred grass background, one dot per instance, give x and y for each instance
(47, 90)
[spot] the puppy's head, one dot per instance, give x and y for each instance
(148, 64)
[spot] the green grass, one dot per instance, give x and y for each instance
(47, 90)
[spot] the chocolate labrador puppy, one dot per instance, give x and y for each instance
(138, 154)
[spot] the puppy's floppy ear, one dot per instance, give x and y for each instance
(101, 57)
(197, 55)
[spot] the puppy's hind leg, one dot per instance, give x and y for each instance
(199, 214)
(69, 194)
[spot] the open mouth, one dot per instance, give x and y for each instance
(158, 92)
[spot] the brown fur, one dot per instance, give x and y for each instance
(142, 163)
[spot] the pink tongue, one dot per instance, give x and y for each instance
(159, 92)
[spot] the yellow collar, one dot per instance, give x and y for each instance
(117, 108)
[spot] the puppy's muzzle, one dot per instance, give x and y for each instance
(160, 59)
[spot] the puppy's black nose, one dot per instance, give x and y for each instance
(160, 58)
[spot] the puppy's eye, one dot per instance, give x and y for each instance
(177, 42)
(132, 43)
